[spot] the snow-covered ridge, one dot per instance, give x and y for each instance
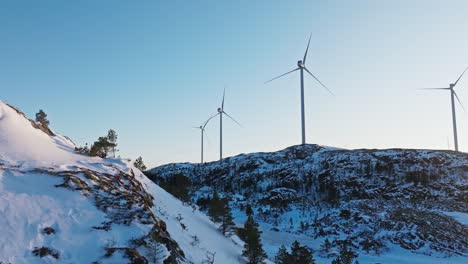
(21, 142)
(386, 202)
(57, 206)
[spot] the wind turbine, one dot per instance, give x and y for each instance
(220, 113)
(202, 130)
(301, 67)
(453, 95)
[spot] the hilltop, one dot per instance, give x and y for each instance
(394, 205)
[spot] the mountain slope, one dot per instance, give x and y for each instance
(383, 203)
(57, 206)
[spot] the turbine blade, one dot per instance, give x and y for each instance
(282, 75)
(209, 119)
(459, 101)
(307, 49)
(319, 81)
(232, 119)
(222, 104)
(433, 88)
(460, 77)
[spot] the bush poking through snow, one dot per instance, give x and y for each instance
(210, 258)
(48, 231)
(45, 251)
(139, 164)
(195, 241)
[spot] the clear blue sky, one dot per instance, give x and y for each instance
(153, 69)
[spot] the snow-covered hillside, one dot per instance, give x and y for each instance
(57, 206)
(390, 206)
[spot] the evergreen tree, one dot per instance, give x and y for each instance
(215, 210)
(139, 164)
(253, 250)
(326, 246)
(227, 221)
(104, 145)
(249, 211)
(41, 117)
(283, 256)
(346, 256)
(112, 138)
(301, 254)
(100, 148)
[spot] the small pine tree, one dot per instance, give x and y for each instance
(139, 164)
(227, 221)
(283, 256)
(100, 148)
(41, 117)
(346, 256)
(215, 208)
(253, 250)
(112, 138)
(326, 246)
(301, 254)
(248, 210)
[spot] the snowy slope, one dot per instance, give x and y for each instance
(81, 209)
(396, 205)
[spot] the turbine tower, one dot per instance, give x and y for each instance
(301, 67)
(220, 113)
(453, 95)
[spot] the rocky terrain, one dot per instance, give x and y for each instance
(383, 203)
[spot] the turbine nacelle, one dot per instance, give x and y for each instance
(220, 110)
(300, 64)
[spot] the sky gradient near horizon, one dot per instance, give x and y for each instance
(151, 70)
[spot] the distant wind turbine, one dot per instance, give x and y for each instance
(301, 67)
(220, 113)
(453, 95)
(202, 130)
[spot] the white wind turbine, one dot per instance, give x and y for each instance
(301, 67)
(221, 112)
(453, 95)
(202, 130)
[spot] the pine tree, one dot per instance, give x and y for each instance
(253, 250)
(41, 117)
(100, 148)
(301, 254)
(139, 164)
(112, 138)
(215, 210)
(346, 256)
(283, 256)
(249, 211)
(227, 221)
(326, 246)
